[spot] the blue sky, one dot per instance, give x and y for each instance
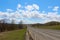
(12, 4)
(32, 11)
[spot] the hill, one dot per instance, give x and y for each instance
(49, 25)
(52, 23)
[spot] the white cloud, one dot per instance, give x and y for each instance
(1, 13)
(9, 10)
(36, 6)
(52, 16)
(32, 7)
(29, 7)
(55, 8)
(18, 6)
(30, 14)
(4, 14)
(17, 14)
(31, 11)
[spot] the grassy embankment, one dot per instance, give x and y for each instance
(13, 35)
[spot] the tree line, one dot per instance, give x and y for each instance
(4, 26)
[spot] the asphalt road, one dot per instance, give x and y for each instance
(44, 34)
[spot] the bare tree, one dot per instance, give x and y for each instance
(21, 24)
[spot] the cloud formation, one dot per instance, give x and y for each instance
(32, 7)
(55, 8)
(30, 12)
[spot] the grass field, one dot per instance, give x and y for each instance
(13, 35)
(56, 27)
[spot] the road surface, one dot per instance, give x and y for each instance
(44, 34)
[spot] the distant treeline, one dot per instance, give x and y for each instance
(4, 26)
(52, 23)
(9, 27)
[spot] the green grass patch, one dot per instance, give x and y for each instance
(13, 35)
(56, 27)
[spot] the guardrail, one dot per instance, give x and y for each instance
(33, 34)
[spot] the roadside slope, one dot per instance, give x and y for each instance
(13, 35)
